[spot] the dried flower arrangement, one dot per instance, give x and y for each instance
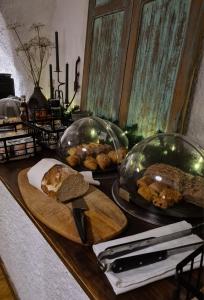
(33, 53)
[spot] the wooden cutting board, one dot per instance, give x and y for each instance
(104, 218)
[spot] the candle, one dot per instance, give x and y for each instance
(57, 52)
(67, 84)
(51, 83)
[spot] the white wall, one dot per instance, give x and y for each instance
(68, 17)
(7, 58)
(70, 20)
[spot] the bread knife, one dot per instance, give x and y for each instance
(136, 261)
(78, 207)
(125, 248)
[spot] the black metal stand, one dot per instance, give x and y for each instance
(58, 92)
(189, 284)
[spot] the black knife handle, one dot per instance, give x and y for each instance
(199, 229)
(136, 261)
(79, 218)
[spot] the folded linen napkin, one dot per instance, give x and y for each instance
(129, 280)
(88, 177)
(37, 172)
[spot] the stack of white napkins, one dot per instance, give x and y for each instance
(129, 280)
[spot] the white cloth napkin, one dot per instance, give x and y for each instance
(129, 280)
(37, 172)
(88, 177)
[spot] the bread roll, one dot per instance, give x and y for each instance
(103, 161)
(121, 154)
(113, 156)
(63, 183)
(73, 160)
(117, 156)
(90, 163)
(72, 151)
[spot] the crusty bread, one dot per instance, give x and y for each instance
(73, 160)
(171, 176)
(190, 187)
(90, 163)
(194, 191)
(158, 193)
(95, 156)
(103, 161)
(64, 183)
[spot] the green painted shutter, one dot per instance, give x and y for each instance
(162, 32)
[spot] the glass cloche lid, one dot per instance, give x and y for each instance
(165, 171)
(9, 108)
(94, 144)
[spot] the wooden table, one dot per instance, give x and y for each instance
(80, 260)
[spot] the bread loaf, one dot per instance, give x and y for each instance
(170, 175)
(64, 183)
(57, 180)
(194, 191)
(180, 184)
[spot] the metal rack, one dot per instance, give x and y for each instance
(190, 284)
(19, 145)
(48, 131)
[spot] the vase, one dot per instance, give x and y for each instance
(37, 101)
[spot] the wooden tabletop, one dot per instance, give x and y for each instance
(80, 260)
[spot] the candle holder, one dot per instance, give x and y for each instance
(58, 93)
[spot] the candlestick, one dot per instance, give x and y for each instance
(67, 84)
(51, 83)
(76, 81)
(57, 52)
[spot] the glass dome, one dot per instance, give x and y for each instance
(165, 171)
(9, 108)
(93, 144)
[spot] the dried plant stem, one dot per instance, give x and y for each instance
(41, 55)
(34, 53)
(27, 55)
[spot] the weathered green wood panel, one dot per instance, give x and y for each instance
(103, 91)
(162, 30)
(102, 2)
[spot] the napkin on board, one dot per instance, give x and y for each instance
(129, 280)
(88, 177)
(37, 172)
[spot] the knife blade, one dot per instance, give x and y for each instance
(136, 261)
(78, 207)
(125, 248)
